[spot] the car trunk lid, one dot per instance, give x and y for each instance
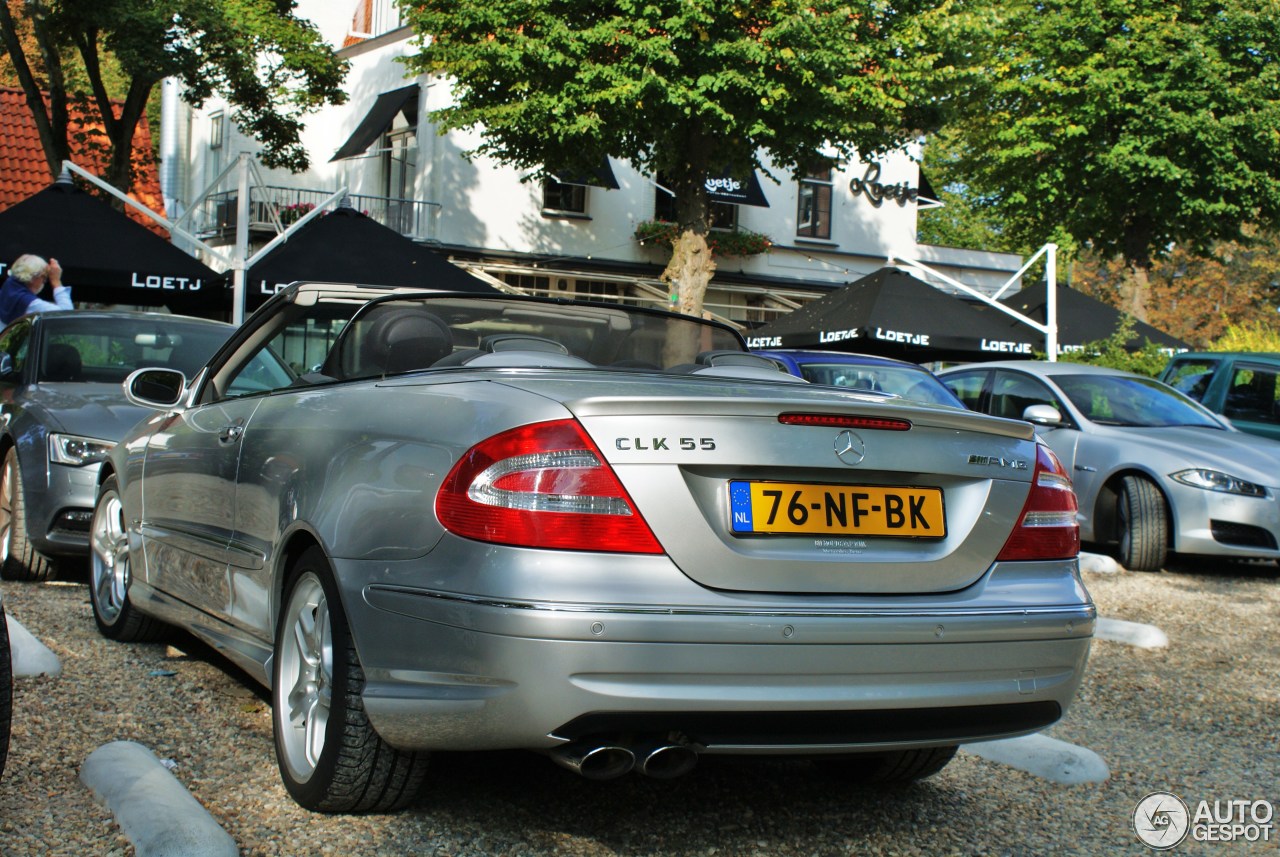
(785, 488)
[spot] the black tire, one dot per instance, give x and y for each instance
(6, 689)
(110, 573)
(896, 767)
(330, 758)
(1143, 525)
(21, 561)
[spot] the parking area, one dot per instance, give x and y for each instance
(1197, 718)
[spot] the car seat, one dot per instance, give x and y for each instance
(62, 362)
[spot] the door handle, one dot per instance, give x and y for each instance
(231, 433)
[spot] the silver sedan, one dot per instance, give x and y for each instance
(1154, 471)
(453, 522)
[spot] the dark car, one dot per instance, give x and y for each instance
(909, 381)
(1239, 385)
(62, 409)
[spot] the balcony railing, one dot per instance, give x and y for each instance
(271, 207)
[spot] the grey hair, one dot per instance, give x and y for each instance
(27, 267)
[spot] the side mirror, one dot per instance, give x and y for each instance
(157, 389)
(1042, 415)
(6, 366)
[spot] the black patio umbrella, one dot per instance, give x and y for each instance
(892, 313)
(346, 246)
(106, 257)
(1082, 319)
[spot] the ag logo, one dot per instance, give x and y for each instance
(1161, 820)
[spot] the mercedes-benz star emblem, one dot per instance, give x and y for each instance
(849, 448)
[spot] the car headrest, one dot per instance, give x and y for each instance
(402, 339)
(62, 363)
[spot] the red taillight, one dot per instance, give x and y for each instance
(1047, 527)
(544, 485)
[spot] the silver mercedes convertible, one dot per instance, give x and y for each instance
(436, 521)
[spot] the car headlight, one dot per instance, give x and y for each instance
(1216, 480)
(78, 451)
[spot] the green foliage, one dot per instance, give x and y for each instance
(1118, 351)
(272, 67)
(1129, 125)
(688, 88)
(1249, 336)
(736, 242)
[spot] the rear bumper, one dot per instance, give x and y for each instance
(452, 671)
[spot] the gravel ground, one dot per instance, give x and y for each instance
(1200, 718)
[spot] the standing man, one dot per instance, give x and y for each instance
(20, 293)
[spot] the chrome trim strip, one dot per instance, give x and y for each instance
(1088, 611)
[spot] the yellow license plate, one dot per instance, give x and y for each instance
(795, 508)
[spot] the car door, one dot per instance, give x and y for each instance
(1012, 392)
(1252, 401)
(188, 501)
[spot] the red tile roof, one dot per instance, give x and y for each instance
(23, 170)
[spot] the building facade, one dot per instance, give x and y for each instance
(572, 237)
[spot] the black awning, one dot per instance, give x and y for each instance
(346, 246)
(378, 120)
(106, 257)
(726, 188)
(601, 176)
(892, 313)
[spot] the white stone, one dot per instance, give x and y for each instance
(1133, 633)
(1044, 757)
(30, 656)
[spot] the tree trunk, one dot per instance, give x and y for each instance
(1135, 287)
(691, 267)
(690, 271)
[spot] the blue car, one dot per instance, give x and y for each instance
(864, 372)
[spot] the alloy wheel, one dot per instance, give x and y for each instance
(305, 680)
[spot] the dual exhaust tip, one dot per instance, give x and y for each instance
(605, 761)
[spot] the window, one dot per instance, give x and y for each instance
(724, 215)
(558, 196)
(1253, 396)
(596, 290)
(399, 168)
(217, 125)
(1192, 376)
(813, 212)
(373, 18)
(968, 388)
(1012, 393)
(528, 282)
(14, 344)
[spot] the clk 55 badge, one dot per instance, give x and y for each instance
(627, 444)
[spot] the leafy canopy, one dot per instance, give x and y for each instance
(272, 67)
(685, 88)
(568, 81)
(1129, 124)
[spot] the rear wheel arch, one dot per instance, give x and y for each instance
(290, 551)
